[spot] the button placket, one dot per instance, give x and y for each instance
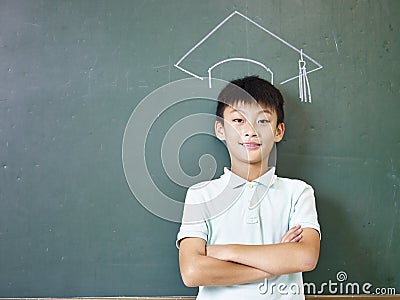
(252, 215)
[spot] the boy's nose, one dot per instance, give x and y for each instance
(250, 130)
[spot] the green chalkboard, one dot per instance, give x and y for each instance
(72, 74)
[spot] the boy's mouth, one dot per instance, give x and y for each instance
(251, 145)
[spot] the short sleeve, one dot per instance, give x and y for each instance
(193, 220)
(304, 211)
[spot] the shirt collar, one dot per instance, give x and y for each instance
(235, 181)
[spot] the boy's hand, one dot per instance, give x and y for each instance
(293, 235)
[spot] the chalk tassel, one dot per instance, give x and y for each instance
(304, 85)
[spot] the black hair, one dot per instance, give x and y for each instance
(248, 89)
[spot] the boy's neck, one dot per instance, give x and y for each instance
(249, 172)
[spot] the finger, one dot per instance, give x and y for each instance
(297, 238)
(286, 237)
(294, 228)
(290, 234)
(291, 230)
(292, 237)
(295, 235)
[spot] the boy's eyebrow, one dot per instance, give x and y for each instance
(268, 111)
(236, 110)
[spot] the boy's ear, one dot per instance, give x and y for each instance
(280, 131)
(219, 130)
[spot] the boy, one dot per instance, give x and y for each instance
(249, 234)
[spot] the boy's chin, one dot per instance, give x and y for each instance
(253, 160)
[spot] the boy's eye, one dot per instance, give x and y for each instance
(238, 120)
(264, 121)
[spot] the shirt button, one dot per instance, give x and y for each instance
(250, 186)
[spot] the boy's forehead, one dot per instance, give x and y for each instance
(242, 106)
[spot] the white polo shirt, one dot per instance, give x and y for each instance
(232, 210)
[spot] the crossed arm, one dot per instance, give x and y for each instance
(232, 264)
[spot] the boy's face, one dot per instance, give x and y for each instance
(250, 131)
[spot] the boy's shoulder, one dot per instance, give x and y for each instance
(292, 185)
(291, 181)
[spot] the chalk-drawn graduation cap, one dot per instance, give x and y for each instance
(239, 39)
